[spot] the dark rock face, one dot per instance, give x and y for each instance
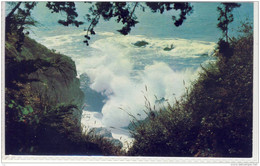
(50, 77)
(141, 43)
(58, 83)
(94, 100)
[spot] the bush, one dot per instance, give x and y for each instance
(55, 133)
(214, 118)
(169, 133)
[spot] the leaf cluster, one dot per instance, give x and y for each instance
(185, 9)
(124, 12)
(226, 17)
(69, 9)
(18, 20)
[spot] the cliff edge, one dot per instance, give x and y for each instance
(42, 96)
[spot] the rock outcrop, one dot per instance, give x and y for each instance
(43, 105)
(105, 133)
(49, 77)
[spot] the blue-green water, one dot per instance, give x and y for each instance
(119, 74)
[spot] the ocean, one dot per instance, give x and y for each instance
(118, 75)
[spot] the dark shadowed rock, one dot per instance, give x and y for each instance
(116, 142)
(105, 133)
(94, 100)
(141, 43)
(51, 77)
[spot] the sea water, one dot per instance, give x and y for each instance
(118, 77)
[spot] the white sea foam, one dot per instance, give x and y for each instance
(93, 120)
(181, 47)
(110, 70)
(126, 74)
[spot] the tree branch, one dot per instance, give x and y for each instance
(13, 10)
(133, 9)
(92, 22)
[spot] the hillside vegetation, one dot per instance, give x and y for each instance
(213, 118)
(43, 104)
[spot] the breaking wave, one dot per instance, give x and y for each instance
(127, 70)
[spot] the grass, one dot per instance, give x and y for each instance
(213, 118)
(55, 133)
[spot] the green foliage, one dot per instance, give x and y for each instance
(104, 144)
(228, 112)
(55, 130)
(28, 66)
(22, 113)
(18, 20)
(169, 133)
(225, 49)
(69, 8)
(225, 18)
(185, 9)
(124, 12)
(213, 118)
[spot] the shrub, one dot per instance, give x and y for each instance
(214, 117)
(169, 133)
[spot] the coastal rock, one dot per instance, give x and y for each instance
(105, 133)
(49, 77)
(94, 100)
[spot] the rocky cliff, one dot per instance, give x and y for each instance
(42, 92)
(50, 74)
